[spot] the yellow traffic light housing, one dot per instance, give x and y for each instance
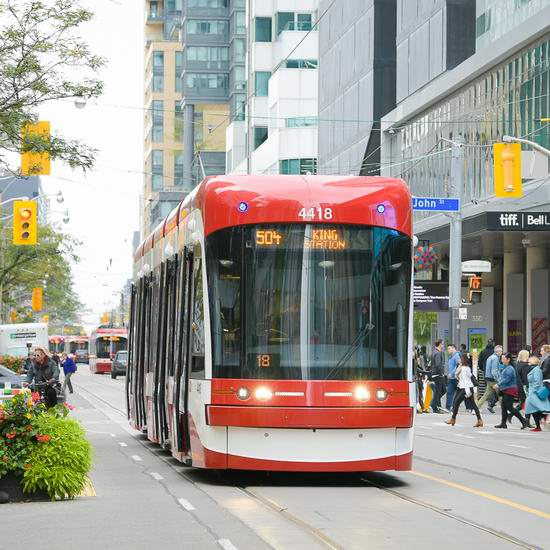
(24, 223)
(37, 298)
(507, 170)
(34, 163)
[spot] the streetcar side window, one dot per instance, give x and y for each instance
(197, 324)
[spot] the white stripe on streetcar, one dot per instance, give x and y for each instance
(156, 476)
(186, 504)
(137, 458)
(226, 544)
(122, 444)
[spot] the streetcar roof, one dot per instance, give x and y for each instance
(366, 200)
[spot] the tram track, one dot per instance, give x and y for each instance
(447, 513)
(227, 478)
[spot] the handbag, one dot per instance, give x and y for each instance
(474, 381)
(543, 393)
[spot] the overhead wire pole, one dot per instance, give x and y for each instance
(455, 240)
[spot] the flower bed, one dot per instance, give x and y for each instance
(43, 448)
(15, 364)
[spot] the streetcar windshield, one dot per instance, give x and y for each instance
(309, 302)
(107, 346)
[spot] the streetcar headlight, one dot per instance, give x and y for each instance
(263, 394)
(361, 393)
(381, 394)
(243, 393)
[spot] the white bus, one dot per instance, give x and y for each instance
(15, 339)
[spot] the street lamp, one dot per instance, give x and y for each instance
(80, 102)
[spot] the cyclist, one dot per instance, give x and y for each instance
(44, 371)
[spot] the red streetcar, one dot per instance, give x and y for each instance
(270, 326)
(104, 343)
(56, 343)
(78, 346)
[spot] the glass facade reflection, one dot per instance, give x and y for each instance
(510, 99)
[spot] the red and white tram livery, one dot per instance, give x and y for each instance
(270, 325)
(104, 343)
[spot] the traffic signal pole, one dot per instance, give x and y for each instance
(455, 240)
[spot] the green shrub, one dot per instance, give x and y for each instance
(59, 464)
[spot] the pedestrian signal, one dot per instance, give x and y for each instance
(24, 223)
(37, 298)
(507, 169)
(474, 289)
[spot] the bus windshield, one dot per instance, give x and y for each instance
(107, 346)
(309, 302)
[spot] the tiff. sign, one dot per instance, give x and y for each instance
(518, 221)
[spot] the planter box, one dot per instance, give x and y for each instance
(11, 484)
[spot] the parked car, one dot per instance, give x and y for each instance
(81, 356)
(120, 363)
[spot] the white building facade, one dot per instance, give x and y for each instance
(278, 134)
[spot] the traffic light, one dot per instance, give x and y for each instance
(46, 318)
(474, 289)
(37, 298)
(507, 170)
(33, 163)
(13, 315)
(24, 223)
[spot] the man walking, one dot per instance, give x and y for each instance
(437, 375)
(492, 368)
(454, 361)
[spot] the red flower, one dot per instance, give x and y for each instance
(11, 435)
(42, 438)
(35, 396)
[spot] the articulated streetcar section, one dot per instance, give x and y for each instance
(270, 326)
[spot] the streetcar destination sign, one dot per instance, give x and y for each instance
(518, 221)
(436, 204)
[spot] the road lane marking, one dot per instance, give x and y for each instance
(122, 444)
(113, 435)
(156, 476)
(482, 494)
(226, 544)
(465, 436)
(137, 458)
(516, 446)
(485, 432)
(184, 503)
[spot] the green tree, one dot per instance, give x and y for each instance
(47, 264)
(42, 58)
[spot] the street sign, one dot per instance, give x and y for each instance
(463, 313)
(436, 204)
(476, 266)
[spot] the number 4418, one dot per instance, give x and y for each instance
(315, 213)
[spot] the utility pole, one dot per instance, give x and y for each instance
(455, 240)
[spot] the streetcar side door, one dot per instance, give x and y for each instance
(181, 445)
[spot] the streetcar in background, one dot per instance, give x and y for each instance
(104, 343)
(270, 326)
(56, 343)
(78, 346)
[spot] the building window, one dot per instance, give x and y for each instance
(260, 135)
(240, 108)
(483, 23)
(207, 81)
(240, 20)
(239, 4)
(301, 63)
(178, 122)
(262, 29)
(239, 50)
(158, 121)
(173, 5)
(239, 75)
(179, 70)
(210, 57)
(214, 4)
(157, 163)
(261, 83)
(298, 166)
(178, 168)
(158, 71)
(155, 11)
(302, 122)
(195, 26)
(290, 21)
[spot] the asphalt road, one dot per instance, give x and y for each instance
(469, 488)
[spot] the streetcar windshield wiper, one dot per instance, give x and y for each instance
(361, 335)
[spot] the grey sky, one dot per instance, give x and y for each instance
(104, 204)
